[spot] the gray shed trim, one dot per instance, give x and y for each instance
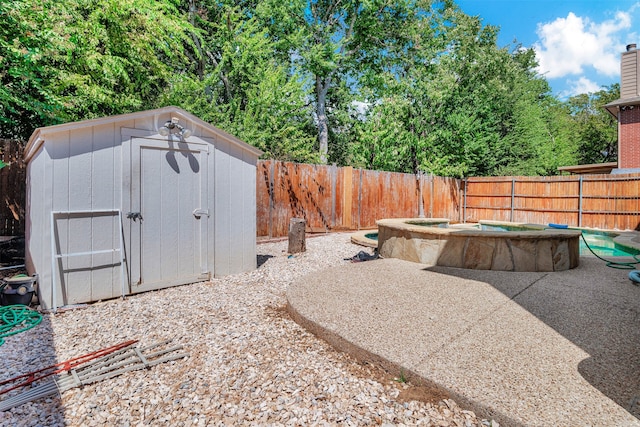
(37, 137)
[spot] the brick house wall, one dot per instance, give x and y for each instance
(629, 137)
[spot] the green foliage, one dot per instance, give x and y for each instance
(25, 38)
(243, 89)
(594, 127)
(71, 60)
(410, 85)
(336, 46)
(115, 56)
(464, 107)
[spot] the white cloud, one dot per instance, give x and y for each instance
(582, 85)
(567, 45)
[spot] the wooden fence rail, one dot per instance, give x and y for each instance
(595, 201)
(344, 198)
(332, 198)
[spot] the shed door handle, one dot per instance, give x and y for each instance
(200, 212)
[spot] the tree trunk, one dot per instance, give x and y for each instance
(297, 238)
(323, 126)
(196, 40)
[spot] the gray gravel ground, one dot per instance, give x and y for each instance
(249, 363)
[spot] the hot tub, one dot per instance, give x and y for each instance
(526, 248)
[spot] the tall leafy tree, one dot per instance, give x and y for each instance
(536, 136)
(462, 106)
(433, 97)
(595, 128)
(76, 59)
(26, 37)
(237, 83)
(336, 43)
(117, 55)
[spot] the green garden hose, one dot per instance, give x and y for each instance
(17, 318)
(614, 264)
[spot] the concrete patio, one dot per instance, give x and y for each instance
(528, 348)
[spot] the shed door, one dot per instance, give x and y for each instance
(169, 213)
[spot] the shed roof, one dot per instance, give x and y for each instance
(37, 137)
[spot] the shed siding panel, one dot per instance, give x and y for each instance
(248, 213)
(46, 189)
(234, 210)
(147, 123)
(105, 194)
(211, 199)
(222, 201)
(79, 228)
(59, 151)
(37, 224)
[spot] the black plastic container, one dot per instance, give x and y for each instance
(17, 290)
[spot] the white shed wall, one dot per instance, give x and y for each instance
(75, 170)
(234, 232)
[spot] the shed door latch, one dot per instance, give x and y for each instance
(134, 216)
(200, 212)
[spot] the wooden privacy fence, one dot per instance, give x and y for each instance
(596, 201)
(344, 198)
(12, 188)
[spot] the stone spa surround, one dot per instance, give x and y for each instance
(426, 241)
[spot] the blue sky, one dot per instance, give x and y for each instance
(578, 42)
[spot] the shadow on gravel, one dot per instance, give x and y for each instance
(261, 259)
(596, 308)
(23, 353)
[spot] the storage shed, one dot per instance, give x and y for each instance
(136, 202)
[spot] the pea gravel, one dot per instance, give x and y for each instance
(249, 363)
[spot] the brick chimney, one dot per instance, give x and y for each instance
(627, 111)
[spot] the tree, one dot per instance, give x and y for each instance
(25, 38)
(72, 59)
(436, 97)
(240, 86)
(337, 44)
(462, 106)
(117, 56)
(596, 129)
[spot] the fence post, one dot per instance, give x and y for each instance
(458, 186)
(431, 195)
(513, 196)
(464, 204)
(334, 172)
(580, 202)
(420, 201)
(359, 195)
(272, 195)
(347, 195)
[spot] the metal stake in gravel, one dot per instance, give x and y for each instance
(67, 365)
(125, 360)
